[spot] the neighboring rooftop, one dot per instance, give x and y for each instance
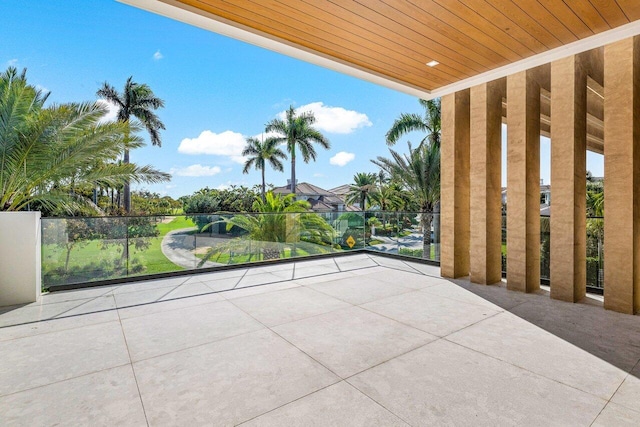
(321, 200)
(351, 340)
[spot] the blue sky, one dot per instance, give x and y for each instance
(217, 90)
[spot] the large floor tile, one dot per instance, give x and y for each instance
(629, 392)
(351, 340)
(101, 303)
(430, 313)
(38, 328)
(611, 336)
(355, 263)
(217, 275)
(36, 312)
(129, 299)
(255, 290)
(394, 263)
(360, 289)
(509, 338)
(337, 405)
(108, 397)
(169, 331)
(406, 279)
(188, 290)
(146, 285)
(167, 305)
(222, 284)
(616, 415)
(227, 382)
(445, 384)
(88, 293)
(264, 278)
(314, 270)
(275, 308)
(44, 359)
(446, 289)
(429, 270)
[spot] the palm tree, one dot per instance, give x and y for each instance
(362, 189)
(419, 172)
(259, 153)
(390, 196)
(280, 219)
(297, 130)
(46, 153)
(411, 122)
(136, 101)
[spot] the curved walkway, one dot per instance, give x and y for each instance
(178, 246)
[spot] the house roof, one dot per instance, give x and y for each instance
(341, 190)
(391, 43)
(304, 188)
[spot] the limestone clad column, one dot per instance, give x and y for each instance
(568, 179)
(454, 185)
(486, 186)
(523, 181)
(622, 176)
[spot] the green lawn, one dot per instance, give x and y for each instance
(93, 260)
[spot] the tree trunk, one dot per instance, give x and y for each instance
(426, 229)
(293, 169)
(127, 190)
(264, 199)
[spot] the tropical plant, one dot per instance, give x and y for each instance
(45, 153)
(362, 190)
(139, 102)
(259, 153)
(411, 122)
(419, 173)
(297, 131)
(391, 196)
(280, 220)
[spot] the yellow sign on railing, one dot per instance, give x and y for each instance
(351, 241)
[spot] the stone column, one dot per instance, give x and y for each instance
(523, 181)
(568, 179)
(454, 185)
(622, 176)
(486, 186)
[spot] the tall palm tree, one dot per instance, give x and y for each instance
(136, 101)
(362, 190)
(297, 131)
(410, 122)
(47, 152)
(259, 153)
(419, 172)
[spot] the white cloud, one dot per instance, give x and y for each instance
(333, 119)
(112, 111)
(196, 170)
(227, 143)
(157, 56)
(342, 158)
(12, 62)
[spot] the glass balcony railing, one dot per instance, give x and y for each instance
(595, 254)
(80, 250)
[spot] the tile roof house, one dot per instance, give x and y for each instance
(321, 200)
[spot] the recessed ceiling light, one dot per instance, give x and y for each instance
(432, 63)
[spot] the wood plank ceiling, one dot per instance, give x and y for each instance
(395, 39)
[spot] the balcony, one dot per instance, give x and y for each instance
(360, 339)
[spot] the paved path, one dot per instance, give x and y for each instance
(178, 246)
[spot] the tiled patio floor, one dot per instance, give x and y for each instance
(359, 340)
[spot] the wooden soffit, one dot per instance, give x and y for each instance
(391, 41)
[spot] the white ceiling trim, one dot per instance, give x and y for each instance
(186, 14)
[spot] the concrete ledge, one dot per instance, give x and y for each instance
(20, 258)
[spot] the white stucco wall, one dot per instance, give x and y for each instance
(20, 252)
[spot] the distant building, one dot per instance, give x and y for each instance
(321, 200)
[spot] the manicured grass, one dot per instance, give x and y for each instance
(93, 260)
